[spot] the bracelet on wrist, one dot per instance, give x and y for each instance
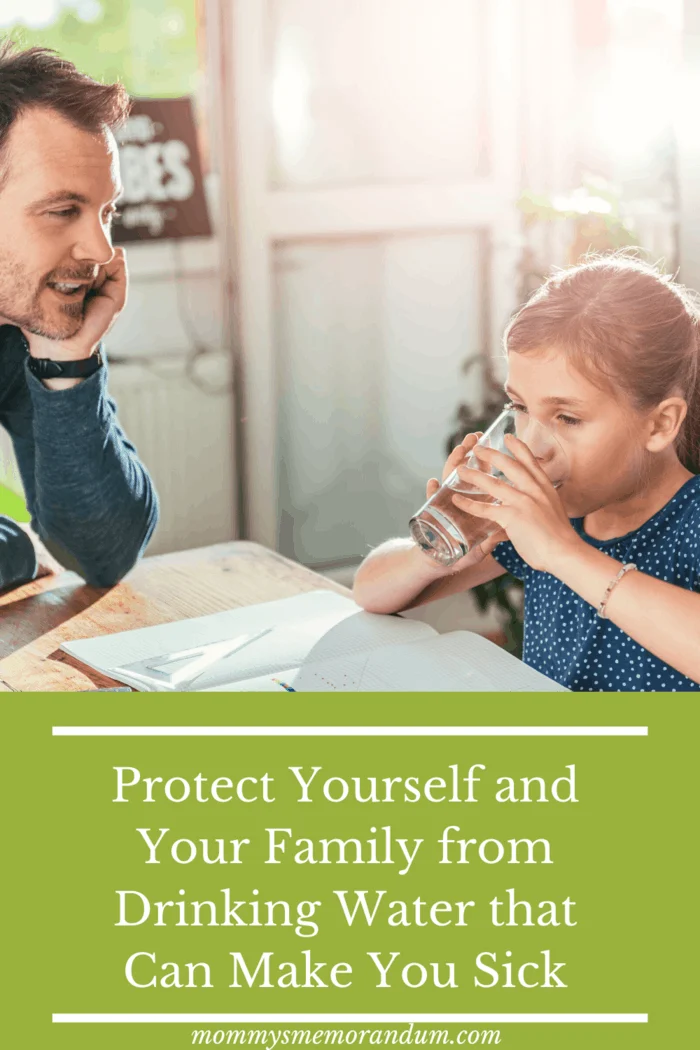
(629, 567)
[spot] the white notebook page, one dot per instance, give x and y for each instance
(317, 626)
(456, 662)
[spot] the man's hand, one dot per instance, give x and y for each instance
(103, 304)
(47, 564)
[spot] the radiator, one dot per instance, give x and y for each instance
(185, 436)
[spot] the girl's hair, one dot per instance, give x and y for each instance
(625, 325)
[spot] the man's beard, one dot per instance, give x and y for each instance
(21, 305)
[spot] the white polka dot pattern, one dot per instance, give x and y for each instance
(566, 639)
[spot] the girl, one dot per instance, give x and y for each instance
(606, 354)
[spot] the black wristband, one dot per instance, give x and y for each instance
(46, 368)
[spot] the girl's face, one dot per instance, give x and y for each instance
(603, 437)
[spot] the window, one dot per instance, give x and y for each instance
(150, 45)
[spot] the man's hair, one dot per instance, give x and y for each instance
(38, 77)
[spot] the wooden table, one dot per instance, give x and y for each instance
(36, 618)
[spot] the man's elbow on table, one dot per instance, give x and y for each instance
(113, 555)
(108, 572)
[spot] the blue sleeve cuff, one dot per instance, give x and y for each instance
(62, 408)
(507, 556)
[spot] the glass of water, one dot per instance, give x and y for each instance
(447, 533)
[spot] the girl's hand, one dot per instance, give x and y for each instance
(456, 456)
(456, 459)
(529, 511)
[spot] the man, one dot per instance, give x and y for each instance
(62, 285)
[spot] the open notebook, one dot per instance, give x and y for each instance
(315, 642)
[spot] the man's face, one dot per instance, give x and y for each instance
(57, 195)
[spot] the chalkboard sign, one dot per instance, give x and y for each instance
(161, 172)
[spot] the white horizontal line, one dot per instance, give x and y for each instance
(350, 1018)
(306, 731)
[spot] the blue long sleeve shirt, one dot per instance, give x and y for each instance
(91, 500)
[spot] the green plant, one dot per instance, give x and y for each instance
(150, 45)
(593, 210)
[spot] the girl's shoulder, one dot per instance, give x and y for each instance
(670, 543)
(683, 509)
(680, 513)
(678, 520)
(676, 527)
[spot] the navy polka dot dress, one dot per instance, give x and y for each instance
(566, 639)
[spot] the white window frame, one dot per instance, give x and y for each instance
(260, 216)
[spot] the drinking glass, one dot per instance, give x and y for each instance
(447, 533)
